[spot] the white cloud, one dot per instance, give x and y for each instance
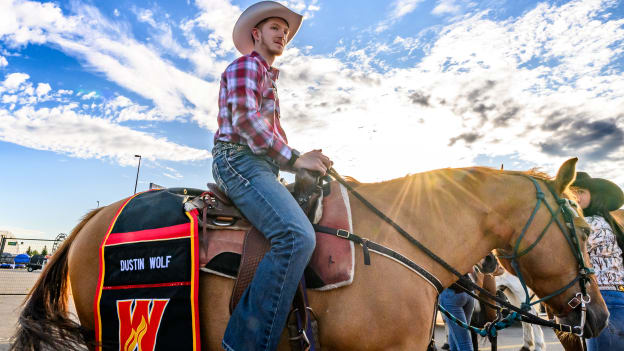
(403, 7)
(172, 173)
(3, 62)
(8, 99)
(147, 16)
(88, 96)
(138, 113)
(43, 89)
(14, 80)
(446, 6)
(23, 22)
(305, 8)
(120, 101)
(63, 130)
(219, 16)
(399, 9)
(75, 129)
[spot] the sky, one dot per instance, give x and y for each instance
(385, 88)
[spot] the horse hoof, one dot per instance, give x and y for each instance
(524, 348)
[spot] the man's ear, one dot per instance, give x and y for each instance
(255, 34)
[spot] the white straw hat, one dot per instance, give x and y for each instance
(255, 14)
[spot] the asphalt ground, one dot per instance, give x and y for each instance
(20, 281)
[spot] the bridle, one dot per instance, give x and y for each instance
(568, 230)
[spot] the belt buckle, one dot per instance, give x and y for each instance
(619, 288)
(343, 233)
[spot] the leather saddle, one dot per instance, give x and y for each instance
(220, 217)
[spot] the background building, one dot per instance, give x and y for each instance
(12, 245)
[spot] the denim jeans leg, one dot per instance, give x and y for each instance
(251, 182)
(612, 336)
(455, 303)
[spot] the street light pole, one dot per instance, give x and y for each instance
(137, 177)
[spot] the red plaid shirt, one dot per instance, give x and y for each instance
(249, 112)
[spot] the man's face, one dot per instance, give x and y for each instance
(272, 36)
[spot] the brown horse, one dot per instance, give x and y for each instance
(460, 214)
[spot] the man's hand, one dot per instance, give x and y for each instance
(314, 161)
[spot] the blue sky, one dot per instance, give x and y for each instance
(386, 88)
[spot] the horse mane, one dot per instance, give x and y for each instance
(540, 175)
(533, 173)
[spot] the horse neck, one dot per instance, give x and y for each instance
(445, 210)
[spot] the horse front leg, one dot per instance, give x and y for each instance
(538, 335)
(527, 337)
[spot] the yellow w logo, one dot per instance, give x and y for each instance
(139, 321)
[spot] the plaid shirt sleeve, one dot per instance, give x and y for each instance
(244, 95)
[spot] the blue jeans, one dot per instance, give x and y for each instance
(461, 306)
(612, 336)
(251, 182)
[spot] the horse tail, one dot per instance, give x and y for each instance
(45, 322)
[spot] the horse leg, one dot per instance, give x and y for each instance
(527, 336)
(538, 334)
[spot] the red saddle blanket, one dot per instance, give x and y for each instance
(332, 265)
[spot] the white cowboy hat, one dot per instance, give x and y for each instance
(255, 14)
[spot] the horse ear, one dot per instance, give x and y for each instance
(565, 175)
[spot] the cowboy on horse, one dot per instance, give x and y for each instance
(250, 149)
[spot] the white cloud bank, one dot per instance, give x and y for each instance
(69, 130)
(541, 87)
(65, 131)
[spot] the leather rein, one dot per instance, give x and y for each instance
(513, 312)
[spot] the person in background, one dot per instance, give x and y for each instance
(461, 305)
(598, 198)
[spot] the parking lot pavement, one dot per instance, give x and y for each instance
(10, 306)
(17, 281)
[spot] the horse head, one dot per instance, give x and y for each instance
(549, 254)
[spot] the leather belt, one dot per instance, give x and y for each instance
(616, 287)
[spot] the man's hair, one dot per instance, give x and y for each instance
(261, 23)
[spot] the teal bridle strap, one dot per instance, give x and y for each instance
(569, 234)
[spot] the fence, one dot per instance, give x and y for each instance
(22, 260)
